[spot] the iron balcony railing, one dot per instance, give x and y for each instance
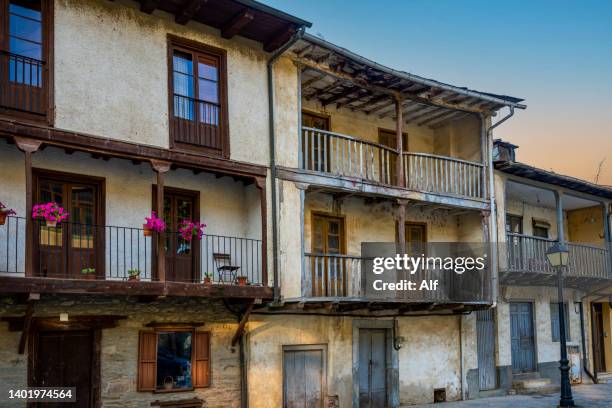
(344, 276)
(528, 254)
(342, 155)
(82, 251)
(23, 84)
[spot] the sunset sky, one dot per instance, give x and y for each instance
(557, 55)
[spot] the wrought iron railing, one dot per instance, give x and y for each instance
(23, 84)
(445, 175)
(82, 251)
(335, 153)
(528, 254)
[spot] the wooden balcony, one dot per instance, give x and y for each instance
(526, 264)
(341, 278)
(82, 258)
(347, 157)
(23, 86)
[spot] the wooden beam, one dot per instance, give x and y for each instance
(161, 168)
(148, 6)
(420, 113)
(314, 79)
(373, 101)
(280, 38)
(188, 11)
(431, 115)
(25, 331)
(263, 199)
(399, 133)
(237, 23)
(242, 324)
(323, 91)
(341, 95)
(439, 118)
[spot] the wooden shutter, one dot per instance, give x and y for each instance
(201, 360)
(147, 361)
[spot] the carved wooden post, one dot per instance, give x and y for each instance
(399, 131)
(161, 168)
(28, 146)
(261, 185)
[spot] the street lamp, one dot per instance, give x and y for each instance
(558, 256)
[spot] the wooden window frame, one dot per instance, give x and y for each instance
(314, 214)
(319, 115)
(48, 59)
(197, 48)
(394, 147)
(175, 329)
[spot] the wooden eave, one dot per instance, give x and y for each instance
(332, 75)
(14, 285)
(105, 148)
(247, 18)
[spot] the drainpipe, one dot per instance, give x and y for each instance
(273, 191)
(494, 254)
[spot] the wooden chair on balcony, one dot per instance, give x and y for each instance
(227, 272)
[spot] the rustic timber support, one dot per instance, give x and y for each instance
(28, 146)
(242, 324)
(188, 11)
(25, 330)
(148, 6)
(401, 222)
(237, 23)
(280, 38)
(263, 196)
(399, 131)
(161, 168)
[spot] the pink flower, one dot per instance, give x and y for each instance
(154, 223)
(190, 229)
(49, 212)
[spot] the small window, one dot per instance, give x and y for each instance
(388, 138)
(313, 120)
(514, 224)
(197, 93)
(173, 360)
(554, 321)
(540, 229)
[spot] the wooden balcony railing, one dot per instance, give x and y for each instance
(342, 155)
(445, 175)
(196, 122)
(335, 153)
(528, 254)
(69, 250)
(333, 275)
(23, 84)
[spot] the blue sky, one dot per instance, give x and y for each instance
(555, 54)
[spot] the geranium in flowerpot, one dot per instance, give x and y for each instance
(5, 212)
(208, 278)
(133, 274)
(52, 213)
(242, 280)
(153, 224)
(88, 273)
(191, 229)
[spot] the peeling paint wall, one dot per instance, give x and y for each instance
(111, 61)
(586, 225)
(429, 358)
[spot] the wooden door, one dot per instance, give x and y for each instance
(372, 370)
(416, 238)
(304, 377)
(522, 337)
(485, 337)
(328, 271)
(181, 255)
(599, 357)
(64, 359)
(77, 242)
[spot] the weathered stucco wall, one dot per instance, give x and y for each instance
(546, 349)
(119, 353)
(586, 225)
(111, 61)
(429, 358)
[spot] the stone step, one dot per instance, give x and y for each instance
(604, 378)
(534, 384)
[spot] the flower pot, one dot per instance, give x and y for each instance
(168, 383)
(242, 280)
(134, 278)
(207, 281)
(3, 215)
(146, 231)
(88, 276)
(51, 224)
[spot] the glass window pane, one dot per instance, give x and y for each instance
(26, 8)
(25, 48)
(174, 360)
(182, 63)
(25, 28)
(208, 91)
(206, 71)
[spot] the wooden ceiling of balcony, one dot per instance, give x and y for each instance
(247, 18)
(335, 76)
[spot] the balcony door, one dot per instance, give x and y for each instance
(181, 255)
(76, 243)
(329, 270)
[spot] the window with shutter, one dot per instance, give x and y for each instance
(173, 360)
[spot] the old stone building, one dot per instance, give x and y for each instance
(295, 153)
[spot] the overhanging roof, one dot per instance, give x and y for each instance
(335, 75)
(544, 176)
(247, 18)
